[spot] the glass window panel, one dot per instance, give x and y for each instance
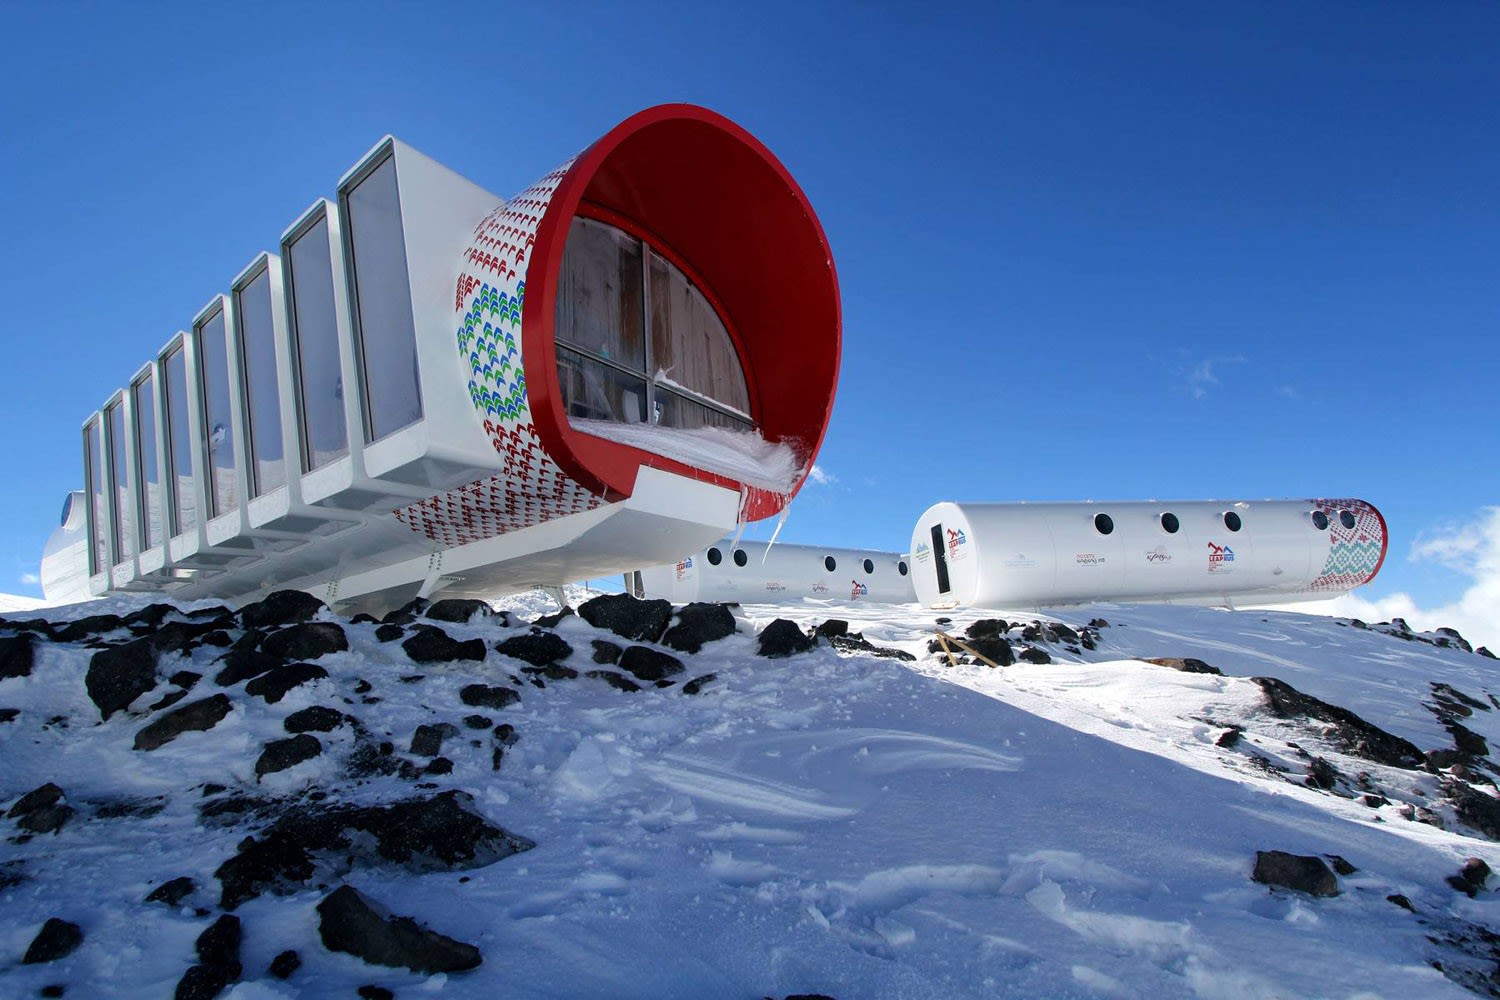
(258, 358)
(315, 337)
(689, 344)
(218, 423)
(93, 468)
(382, 295)
(599, 294)
(150, 508)
(674, 410)
(179, 446)
(595, 391)
(119, 484)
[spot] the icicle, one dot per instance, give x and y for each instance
(780, 523)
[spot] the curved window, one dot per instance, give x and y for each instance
(830, 564)
(869, 567)
(901, 567)
(715, 557)
(1320, 520)
(1104, 524)
(1346, 518)
(1169, 523)
(1231, 520)
(638, 342)
(740, 558)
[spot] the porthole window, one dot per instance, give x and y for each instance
(1104, 524)
(1231, 520)
(829, 564)
(715, 557)
(1346, 518)
(869, 566)
(740, 558)
(1169, 523)
(1320, 520)
(901, 567)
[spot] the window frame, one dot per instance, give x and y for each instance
(218, 309)
(144, 521)
(173, 524)
(122, 544)
(97, 545)
(258, 270)
(320, 215)
(651, 243)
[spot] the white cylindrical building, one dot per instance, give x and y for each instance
(750, 573)
(1201, 551)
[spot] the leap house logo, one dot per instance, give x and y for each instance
(684, 566)
(956, 537)
(1219, 558)
(860, 590)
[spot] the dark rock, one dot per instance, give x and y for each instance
(606, 651)
(649, 664)
(364, 618)
(1098, 623)
(552, 671)
(1187, 665)
(217, 611)
(438, 765)
(697, 684)
(857, 643)
(1063, 633)
(1401, 901)
(120, 674)
(700, 623)
(436, 646)
(350, 923)
(313, 719)
(1349, 732)
(274, 684)
(9, 714)
(1474, 808)
(242, 663)
(987, 627)
(1340, 865)
(831, 628)
(552, 620)
(1032, 632)
(1229, 737)
(996, 647)
(219, 945)
(42, 810)
(1321, 774)
(478, 721)
(185, 679)
(370, 991)
(617, 681)
(630, 617)
(428, 740)
(1472, 878)
(87, 628)
(285, 964)
(505, 734)
(195, 717)
(12, 874)
(167, 700)
(17, 655)
(150, 616)
(408, 612)
(173, 891)
(307, 641)
(1375, 801)
(1466, 741)
(362, 686)
(458, 610)
(1451, 699)
(282, 754)
(1033, 655)
(276, 861)
(179, 637)
(1302, 873)
(57, 939)
(53, 990)
(389, 632)
(1484, 651)
(282, 607)
(202, 982)
(782, 638)
(485, 696)
(537, 648)
(38, 798)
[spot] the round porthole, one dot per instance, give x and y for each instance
(901, 567)
(829, 564)
(740, 558)
(1104, 524)
(1169, 523)
(1320, 520)
(715, 557)
(1346, 518)
(1231, 520)
(869, 567)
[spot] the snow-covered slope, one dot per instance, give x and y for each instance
(834, 821)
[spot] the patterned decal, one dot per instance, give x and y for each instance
(1354, 554)
(489, 300)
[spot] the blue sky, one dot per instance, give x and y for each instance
(1087, 250)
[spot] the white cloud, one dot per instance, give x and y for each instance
(821, 476)
(1203, 377)
(1472, 550)
(30, 579)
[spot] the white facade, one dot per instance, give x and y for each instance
(752, 572)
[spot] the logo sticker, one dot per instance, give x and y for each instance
(1089, 559)
(860, 590)
(1158, 555)
(775, 585)
(1219, 558)
(922, 552)
(956, 537)
(684, 566)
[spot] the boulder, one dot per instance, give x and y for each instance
(1187, 665)
(9, 714)
(173, 891)
(285, 964)
(697, 684)
(313, 719)
(832, 628)
(282, 607)
(57, 939)
(486, 696)
(536, 648)
(427, 741)
(41, 810)
(89, 627)
(994, 646)
(120, 674)
(1299, 872)
(987, 627)
(782, 638)
(151, 616)
(626, 616)
(617, 681)
(1033, 655)
(1472, 878)
(351, 923)
(17, 655)
(433, 645)
(649, 664)
(274, 684)
(307, 641)
(282, 754)
(242, 663)
(606, 651)
(701, 623)
(458, 610)
(389, 632)
(198, 716)
(202, 982)
(478, 721)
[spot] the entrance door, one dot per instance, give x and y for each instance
(940, 559)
